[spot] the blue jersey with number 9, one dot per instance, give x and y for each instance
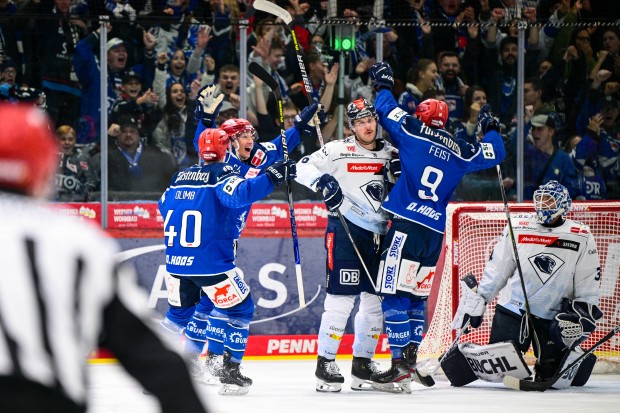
(433, 163)
(204, 210)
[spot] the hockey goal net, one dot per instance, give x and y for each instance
(472, 231)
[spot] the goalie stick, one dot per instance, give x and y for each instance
(528, 314)
(285, 16)
(427, 380)
(528, 385)
(258, 71)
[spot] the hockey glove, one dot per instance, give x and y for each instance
(383, 76)
(306, 121)
(330, 189)
(471, 307)
(574, 324)
(208, 105)
(281, 171)
(391, 172)
(486, 121)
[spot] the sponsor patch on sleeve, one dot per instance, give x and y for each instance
(231, 184)
(396, 114)
(487, 150)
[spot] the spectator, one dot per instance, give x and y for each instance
(8, 83)
(323, 80)
(227, 83)
(169, 72)
(134, 166)
(452, 37)
(174, 134)
(75, 179)
(449, 81)
(420, 78)
(137, 105)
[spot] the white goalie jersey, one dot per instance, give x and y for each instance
(556, 262)
(359, 173)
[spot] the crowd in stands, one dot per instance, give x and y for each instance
(160, 53)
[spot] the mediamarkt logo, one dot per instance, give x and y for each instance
(364, 167)
(536, 239)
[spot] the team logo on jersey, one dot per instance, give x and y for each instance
(545, 265)
(349, 277)
(258, 157)
(351, 148)
(374, 192)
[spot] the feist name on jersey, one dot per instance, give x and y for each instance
(179, 260)
(185, 195)
(424, 210)
(439, 153)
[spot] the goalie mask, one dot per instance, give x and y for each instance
(433, 113)
(551, 200)
(234, 128)
(212, 145)
(28, 150)
(360, 108)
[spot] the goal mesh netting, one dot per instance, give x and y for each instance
(472, 231)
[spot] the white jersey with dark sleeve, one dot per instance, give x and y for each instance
(359, 173)
(556, 263)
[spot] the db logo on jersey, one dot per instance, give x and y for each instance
(258, 157)
(349, 277)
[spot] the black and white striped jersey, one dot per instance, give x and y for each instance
(62, 294)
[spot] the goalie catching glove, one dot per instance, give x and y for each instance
(330, 189)
(471, 306)
(573, 325)
(208, 105)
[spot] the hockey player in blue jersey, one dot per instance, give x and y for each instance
(249, 158)
(433, 163)
(204, 211)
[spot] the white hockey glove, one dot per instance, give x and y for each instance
(208, 105)
(573, 325)
(471, 307)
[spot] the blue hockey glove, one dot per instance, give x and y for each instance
(391, 172)
(486, 121)
(208, 105)
(306, 121)
(383, 76)
(330, 189)
(281, 171)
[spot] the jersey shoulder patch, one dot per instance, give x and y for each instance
(396, 114)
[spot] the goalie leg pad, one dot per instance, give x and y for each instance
(457, 369)
(492, 362)
(585, 370)
(579, 374)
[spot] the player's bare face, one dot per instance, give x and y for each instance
(365, 130)
(67, 143)
(243, 145)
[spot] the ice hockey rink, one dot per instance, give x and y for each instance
(288, 386)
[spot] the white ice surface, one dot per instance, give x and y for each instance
(288, 386)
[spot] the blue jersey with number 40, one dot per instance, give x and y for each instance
(204, 211)
(433, 163)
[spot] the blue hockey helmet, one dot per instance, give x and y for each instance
(551, 200)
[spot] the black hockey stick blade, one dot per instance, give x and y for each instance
(528, 385)
(426, 381)
(260, 72)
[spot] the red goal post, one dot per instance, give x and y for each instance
(472, 230)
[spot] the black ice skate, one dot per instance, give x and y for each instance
(395, 380)
(361, 370)
(328, 377)
(214, 364)
(412, 356)
(233, 382)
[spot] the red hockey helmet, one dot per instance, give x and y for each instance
(235, 127)
(433, 113)
(28, 150)
(212, 144)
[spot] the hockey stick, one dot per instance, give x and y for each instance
(285, 16)
(527, 385)
(427, 380)
(258, 71)
(528, 313)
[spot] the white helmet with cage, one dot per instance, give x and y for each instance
(551, 200)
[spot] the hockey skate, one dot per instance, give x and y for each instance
(361, 370)
(328, 377)
(397, 379)
(213, 368)
(233, 382)
(412, 356)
